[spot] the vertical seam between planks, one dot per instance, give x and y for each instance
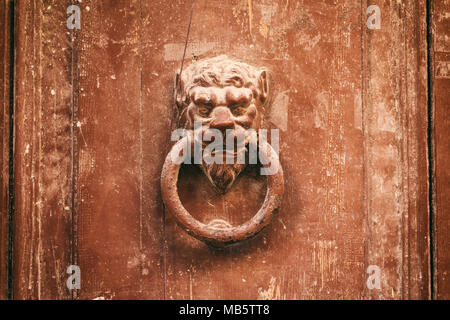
(406, 217)
(365, 206)
(74, 152)
(430, 147)
(40, 154)
(140, 146)
(10, 292)
(407, 201)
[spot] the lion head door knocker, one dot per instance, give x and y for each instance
(221, 105)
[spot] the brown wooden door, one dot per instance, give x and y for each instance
(92, 111)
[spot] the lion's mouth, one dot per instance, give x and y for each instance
(222, 174)
(222, 162)
(228, 151)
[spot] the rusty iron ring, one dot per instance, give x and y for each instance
(213, 235)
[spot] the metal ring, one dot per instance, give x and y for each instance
(224, 235)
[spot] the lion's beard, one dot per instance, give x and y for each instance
(222, 176)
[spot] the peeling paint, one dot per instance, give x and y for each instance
(279, 112)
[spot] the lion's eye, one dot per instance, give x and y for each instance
(239, 110)
(203, 110)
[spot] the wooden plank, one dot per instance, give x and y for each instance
(351, 106)
(394, 118)
(441, 98)
(314, 247)
(416, 235)
(341, 138)
(5, 24)
(119, 226)
(43, 155)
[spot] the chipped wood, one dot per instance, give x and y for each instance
(42, 154)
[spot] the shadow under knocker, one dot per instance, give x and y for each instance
(227, 96)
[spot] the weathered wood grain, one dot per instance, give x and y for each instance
(354, 122)
(93, 118)
(5, 66)
(314, 247)
(441, 99)
(394, 120)
(42, 154)
(119, 213)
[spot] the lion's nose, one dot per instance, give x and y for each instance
(222, 119)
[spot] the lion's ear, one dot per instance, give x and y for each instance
(178, 88)
(263, 84)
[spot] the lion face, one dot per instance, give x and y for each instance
(223, 96)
